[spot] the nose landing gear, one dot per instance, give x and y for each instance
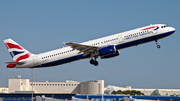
(158, 46)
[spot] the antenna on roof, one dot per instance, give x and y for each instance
(150, 24)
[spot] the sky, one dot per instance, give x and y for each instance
(41, 26)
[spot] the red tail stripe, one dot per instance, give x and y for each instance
(23, 57)
(10, 45)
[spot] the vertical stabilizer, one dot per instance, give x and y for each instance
(17, 52)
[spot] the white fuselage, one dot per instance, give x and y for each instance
(120, 40)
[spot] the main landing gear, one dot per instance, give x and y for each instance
(158, 46)
(94, 62)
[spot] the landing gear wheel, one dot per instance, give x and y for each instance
(95, 63)
(158, 46)
(91, 61)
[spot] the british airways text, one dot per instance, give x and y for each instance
(127, 37)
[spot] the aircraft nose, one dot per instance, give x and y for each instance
(172, 29)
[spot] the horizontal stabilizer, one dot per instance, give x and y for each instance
(16, 63)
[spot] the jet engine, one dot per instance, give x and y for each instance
(108, 52)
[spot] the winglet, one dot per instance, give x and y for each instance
(64, 44)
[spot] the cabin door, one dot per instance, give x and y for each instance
(120, 38)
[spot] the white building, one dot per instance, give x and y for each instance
(17, 85)
(163, 92)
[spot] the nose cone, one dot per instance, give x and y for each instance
(171, 29)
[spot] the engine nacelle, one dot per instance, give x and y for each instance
(111, 55)
(108, 52)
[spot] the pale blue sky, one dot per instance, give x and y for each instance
(41, 26)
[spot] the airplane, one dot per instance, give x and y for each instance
(105, 47)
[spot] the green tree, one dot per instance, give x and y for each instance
(131, 92)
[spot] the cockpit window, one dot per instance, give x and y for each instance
(163, 26)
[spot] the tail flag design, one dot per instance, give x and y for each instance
(17, 52)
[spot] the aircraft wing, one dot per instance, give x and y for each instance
(86, 49)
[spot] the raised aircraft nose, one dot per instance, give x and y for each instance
(171, 29)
